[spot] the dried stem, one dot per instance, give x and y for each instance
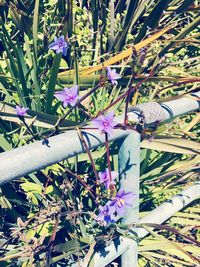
(81, 181)
(128, 92)
(51, 240)
(89, 153)
(26, 125)
(108, 156)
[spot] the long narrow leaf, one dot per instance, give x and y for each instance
(52, 82)
(35, 26)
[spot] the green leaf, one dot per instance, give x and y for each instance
(83, 229)
(52, 82)
(33, 74)
(173, 145)
(134, 9)
(19, 73)
(69, 246)
(153, 18)
(31, 187)
(30, 234)
(181, 35)
(4, 144)
(35, 26)
(45, 229)
(4, 202)
(13, 71)
(49, 189)
(8, 112)
(184, 221)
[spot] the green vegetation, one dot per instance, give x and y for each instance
(48, 217)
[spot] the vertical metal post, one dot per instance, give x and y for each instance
(129, 170)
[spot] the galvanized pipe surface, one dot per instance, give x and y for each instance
(29, 158)
(129, 170)
(170, 207)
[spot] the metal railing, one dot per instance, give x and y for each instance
(29, 158)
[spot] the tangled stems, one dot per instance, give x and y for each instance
(89, 154)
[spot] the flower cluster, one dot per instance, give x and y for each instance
(116, 207)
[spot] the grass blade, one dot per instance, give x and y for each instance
(153, 18)
(35, 26)
(52, 82)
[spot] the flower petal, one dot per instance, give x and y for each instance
(110, 116)
(60, 95)
(18, 108)
(102, 176)
(66, 90)
(65, 103)
(64, 51)
(97, 123)
(120, 210)
(108, 130)
(72, 102)
(74, 90)
(114, 82)
(114, 175)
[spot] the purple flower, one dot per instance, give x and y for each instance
(122, 201)
(105, 178)
(21, 111)
(69, 96)
(106, 214)
(112, 76)
(105, 124)
(59, 45)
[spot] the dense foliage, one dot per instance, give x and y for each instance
(53, 217)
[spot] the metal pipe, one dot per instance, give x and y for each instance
(169, 207)
(170, 109)
(29, 158)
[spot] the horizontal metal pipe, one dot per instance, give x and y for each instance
(170, 207)
(29, 158)
(157, 216)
